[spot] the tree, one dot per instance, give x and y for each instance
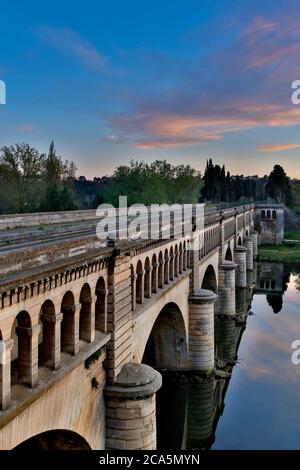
(21, 166)
(156, 183)
(58, 177)
(278, 186)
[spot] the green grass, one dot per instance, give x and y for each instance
(286, 253)
(292, 235)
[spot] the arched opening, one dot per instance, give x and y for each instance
(68, 338)
(160, 270)
(176, 262)
(139, 283)
(171, 264)
(58, 439)
(228, 254)
(240, 241)
(154, 274)
(263, 214)
(274, 214)
(268, 214)
(209, 280)
(47, 335)
(166, 267)
(247, 233)
(100, 306)
(166, 348)
(85, 319)
(147, 285)
(180, 258)
(21, 366)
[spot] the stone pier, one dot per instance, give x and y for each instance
(249, 252)
(131, 409)
(225, 304)
(201, 330)
(240, 260)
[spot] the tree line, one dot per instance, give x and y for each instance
(31, 182)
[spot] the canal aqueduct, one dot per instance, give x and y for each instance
(82, 336)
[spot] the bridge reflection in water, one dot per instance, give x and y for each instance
(189, 405)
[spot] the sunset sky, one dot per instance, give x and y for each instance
(183, 80)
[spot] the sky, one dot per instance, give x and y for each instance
(182, 80)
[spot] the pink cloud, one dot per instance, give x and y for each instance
(277, 147)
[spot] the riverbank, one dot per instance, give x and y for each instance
(289, 252)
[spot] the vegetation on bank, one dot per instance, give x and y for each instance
(288, 252)
(31, 181)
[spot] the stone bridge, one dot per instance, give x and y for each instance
(82, 338)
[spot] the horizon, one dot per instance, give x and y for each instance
(129, 83)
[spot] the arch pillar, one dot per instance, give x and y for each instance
(52, 339)
(154, 277)
(249, 253)
(5, 376)
(254, 236)
(166, 269)
(226, 288)
(240, 260)
(28, 338)
(201, 330)
(161, 271)
(131, 408)
(133, 291)
(171, 267)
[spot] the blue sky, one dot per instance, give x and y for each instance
(181, 80)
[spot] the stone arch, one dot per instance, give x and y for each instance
(68, 327)
(139, 283)
(147, 278)
(247, 232)
(86, 325)
(47, 335)
(166, 346)
(56, 439)
(100, 306)
(274, 214)
(239, 242)
(209, 279)
(268, 214)
(21, 365)
(160, 270)
(228, 254)
(154, 273)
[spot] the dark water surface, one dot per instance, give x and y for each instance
(253, 402)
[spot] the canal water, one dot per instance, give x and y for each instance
(253, 400)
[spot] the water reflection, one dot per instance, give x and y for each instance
(253, 394)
